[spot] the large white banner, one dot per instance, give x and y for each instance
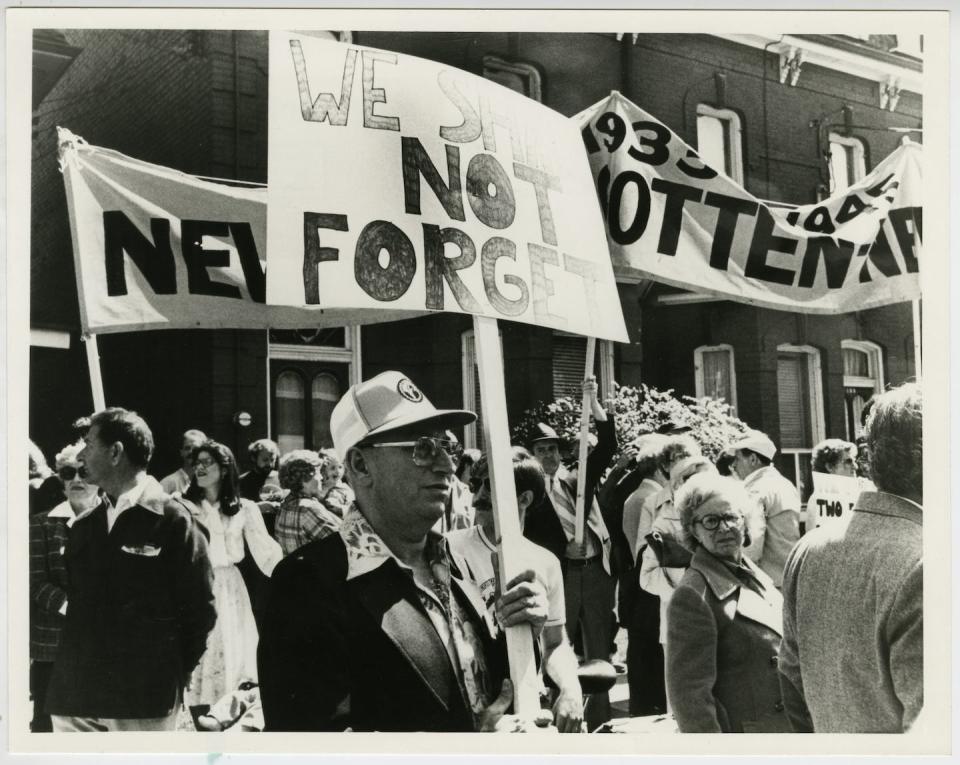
(672, 218)
(155, 248)
(396, 182)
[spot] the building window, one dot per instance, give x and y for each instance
(847, 162)
(715, 373)
(569, 361)
(800, 404)
(290, 411)
(520, 77)
(327, 361)
(862, 377)
(720, 140)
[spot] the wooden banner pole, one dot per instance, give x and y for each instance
(917, 340)
(96, 380)
(578, 534)
(506, 517)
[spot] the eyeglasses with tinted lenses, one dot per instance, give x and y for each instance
(205, 462)
(712, 522)
(67, 473)
(476, 483)
(426, 449)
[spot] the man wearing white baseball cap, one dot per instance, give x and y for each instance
(373, 628)
(753, 464)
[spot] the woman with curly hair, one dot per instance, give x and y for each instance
(724, 620)
(303, 517)
(214, 501)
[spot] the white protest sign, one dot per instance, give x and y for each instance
(397, 182)
(672, 218)
(155, 248)
(833, 498)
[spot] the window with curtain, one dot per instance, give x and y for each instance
(290, 411)
(720, 140)
(862, 377)
(714, 372)
(325, 394)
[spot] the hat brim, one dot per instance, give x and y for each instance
(441, 418)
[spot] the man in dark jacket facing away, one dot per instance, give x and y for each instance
(140, 593)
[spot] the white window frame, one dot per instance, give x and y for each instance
(349, 354)
(859, 159)
(818, 417)
(874, 366)
(525, 71)
(874, 362)
(700, 383)
(736, 139)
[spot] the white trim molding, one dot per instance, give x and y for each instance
(49, 338)
(731, 121)
(874, 364)
(841, 59)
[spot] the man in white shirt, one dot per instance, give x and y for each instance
(140, 592)
(779, 499)
(474, 549)
(178, 481)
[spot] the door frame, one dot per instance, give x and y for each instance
(349, 355)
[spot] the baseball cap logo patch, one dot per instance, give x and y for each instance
(409, 391)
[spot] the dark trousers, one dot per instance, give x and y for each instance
(645, 656)
(39, 682)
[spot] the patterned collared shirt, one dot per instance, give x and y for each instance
(366, 551)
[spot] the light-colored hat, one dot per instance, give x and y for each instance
(383, 403)
(755, 441)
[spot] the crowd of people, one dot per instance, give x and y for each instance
(357, 588)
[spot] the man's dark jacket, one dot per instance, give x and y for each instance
(542, 524)
(361, 653)
(139, 606)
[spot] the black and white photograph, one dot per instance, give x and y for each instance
(411, 372)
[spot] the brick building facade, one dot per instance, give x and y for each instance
(197, 101)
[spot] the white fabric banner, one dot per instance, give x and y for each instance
(673, 219)
(155, 248)
(402, 183)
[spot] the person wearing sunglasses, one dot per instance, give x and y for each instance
(374, 628)
(475, 549)
(724, 620)
(48, 575)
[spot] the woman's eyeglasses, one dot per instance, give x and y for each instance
(206, 463)
(426, 449)
(476, 483)
(67, 473)
(712, 522)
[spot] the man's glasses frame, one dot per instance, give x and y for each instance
(712, 522)
(426, 449)
(68, 472)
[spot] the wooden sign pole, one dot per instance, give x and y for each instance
(578, 534)
(506, 517)
(917, 340)
(96, 380)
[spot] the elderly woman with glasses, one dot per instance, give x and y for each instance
(303, 517)
(723, 621)
(48, 575)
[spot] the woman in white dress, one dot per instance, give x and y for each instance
(214, 500)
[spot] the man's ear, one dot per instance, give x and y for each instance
(116, 452)
(357, 467)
